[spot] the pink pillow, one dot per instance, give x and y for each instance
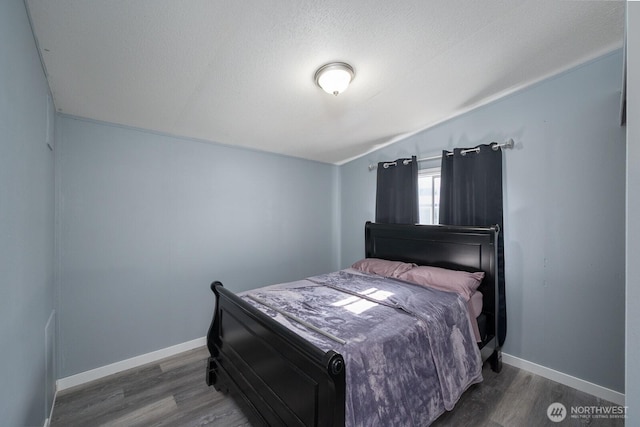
(383, 267)
(460, 282)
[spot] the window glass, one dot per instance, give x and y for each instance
(429, 195)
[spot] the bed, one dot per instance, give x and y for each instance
(283, 372)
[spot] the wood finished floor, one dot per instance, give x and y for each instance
(172, 392)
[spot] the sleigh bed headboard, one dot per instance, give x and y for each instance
(452, 247)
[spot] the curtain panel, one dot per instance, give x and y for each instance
(471, 194)
(397, 192)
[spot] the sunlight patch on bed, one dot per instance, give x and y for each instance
(359, 305)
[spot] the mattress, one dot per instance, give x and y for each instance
(409, 351)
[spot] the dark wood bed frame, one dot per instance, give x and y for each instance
(281, 379)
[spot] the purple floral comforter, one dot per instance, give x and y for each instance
(409, 350)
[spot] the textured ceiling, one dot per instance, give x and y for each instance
(241, 72)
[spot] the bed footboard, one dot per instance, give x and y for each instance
(281, 377)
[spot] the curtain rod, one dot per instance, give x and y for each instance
(508, 144)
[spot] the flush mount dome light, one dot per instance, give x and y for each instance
(334, 78)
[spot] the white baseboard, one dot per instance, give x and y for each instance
(134, 362)
(568, 380)
(123, 365)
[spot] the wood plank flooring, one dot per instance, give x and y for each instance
(172, 392)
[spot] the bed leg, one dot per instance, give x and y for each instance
(211, 371)
(496, 361)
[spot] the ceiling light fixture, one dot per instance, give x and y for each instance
(334, 78)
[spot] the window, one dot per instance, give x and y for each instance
(429, 195)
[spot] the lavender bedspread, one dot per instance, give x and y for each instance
(409, 353)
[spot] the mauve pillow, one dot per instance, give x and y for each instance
(383, 267)
(460, 282)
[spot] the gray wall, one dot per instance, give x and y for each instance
(26, 225)
(148, 221)
(564, 214)
(633, 213)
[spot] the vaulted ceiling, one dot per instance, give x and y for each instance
(241, 72)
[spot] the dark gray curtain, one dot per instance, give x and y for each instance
(471, 194)
(397, 192)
